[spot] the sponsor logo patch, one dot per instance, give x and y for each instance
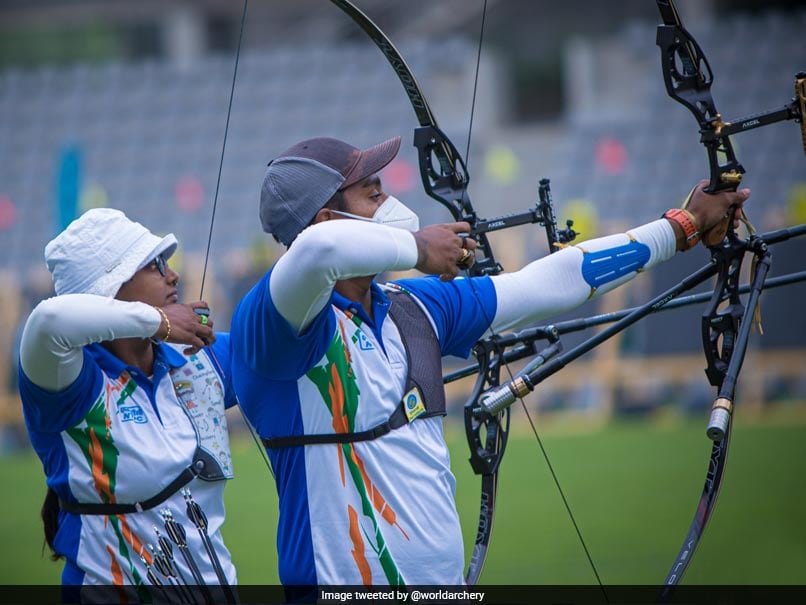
(132, 413)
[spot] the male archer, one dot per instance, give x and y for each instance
(342, 376)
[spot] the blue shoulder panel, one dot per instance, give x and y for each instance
(462, 309)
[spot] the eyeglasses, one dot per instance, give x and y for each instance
(160, 264)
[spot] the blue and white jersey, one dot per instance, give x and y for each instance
(307, 361)
(367, 513)
(117, 436)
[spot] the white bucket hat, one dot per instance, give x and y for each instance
(100, 251)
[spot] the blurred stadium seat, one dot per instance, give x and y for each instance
(145, 126)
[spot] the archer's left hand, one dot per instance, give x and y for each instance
(713, 211)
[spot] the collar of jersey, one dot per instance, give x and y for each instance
(164, 358)
(380, 308)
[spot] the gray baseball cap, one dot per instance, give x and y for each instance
(303, 178)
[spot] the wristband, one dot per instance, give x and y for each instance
(686, 220)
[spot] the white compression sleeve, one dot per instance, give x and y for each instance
(303, 279)
(556, 283)
(51, 348)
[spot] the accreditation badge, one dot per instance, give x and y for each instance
(413, 404)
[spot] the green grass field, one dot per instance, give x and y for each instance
(632, 488)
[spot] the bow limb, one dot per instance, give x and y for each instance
(688, 79)
(445, 179)
(487, 438)
(442, 168)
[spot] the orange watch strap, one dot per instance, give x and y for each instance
(686, 220)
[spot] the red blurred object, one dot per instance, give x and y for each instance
(399, 176)
(8, 212)
(611, 156)
(189, 194)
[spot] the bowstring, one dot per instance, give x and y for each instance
(223, 149)
(494, 334)
(248, 424)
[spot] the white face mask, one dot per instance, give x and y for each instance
(391, 212)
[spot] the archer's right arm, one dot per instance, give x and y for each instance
(302, 281)
(51, 350)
